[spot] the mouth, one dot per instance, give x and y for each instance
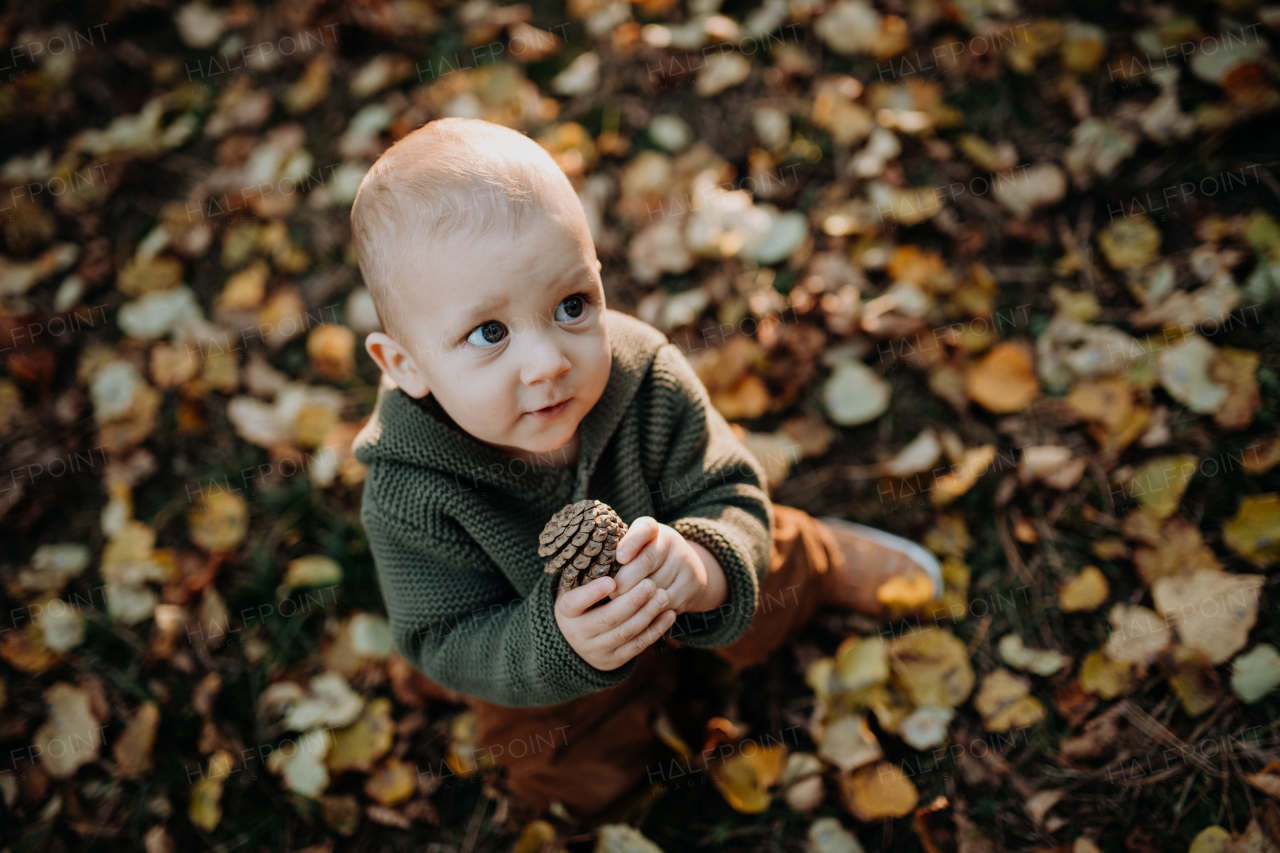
(552, 412)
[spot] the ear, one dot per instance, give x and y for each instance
(397, 363)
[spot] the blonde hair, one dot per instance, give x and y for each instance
(450, 177)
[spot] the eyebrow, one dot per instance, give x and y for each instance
(476, 315)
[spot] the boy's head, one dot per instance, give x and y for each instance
(482, 268)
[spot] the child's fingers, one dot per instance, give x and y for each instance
(619, 636)
(642, 531)
(577, 601)
(613, 614)
(650, 635)
(646, 560)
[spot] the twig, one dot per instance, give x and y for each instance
(473, 828)
(1010, 549)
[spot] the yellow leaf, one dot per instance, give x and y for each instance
(1004, 700)
(536, 835)
(932, 666)
(744, 780)
(949, 537)
(1254, 531)
(1212, 610)
(1160, 483)
(1086, 591)
(861, 662)
(1195, 681)
(393, 782)
(878, 791)
(976, 462)
(1005, 380)
(205, 809)
(1130, 243)
(312, 570)
(1107, 679)
(363, 742)
(1211, 839)
(219, 522)
(332, 350)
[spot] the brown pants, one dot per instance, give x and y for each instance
(601, 743)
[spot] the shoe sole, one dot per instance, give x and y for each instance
(918, 554)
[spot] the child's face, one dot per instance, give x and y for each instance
(507, 333)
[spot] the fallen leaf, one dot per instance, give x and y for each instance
(1180, 550)
(1130, 243)
(205, 808)
(861, 662)
(1211, 839)
(1086, 591)
(1039, 804)
(976, 462)
(1254, 531)
(1183, 370)
(932, 667)
(848, 743)
(1255, 673)
(332, 351)
(854, 394)
(1107, 678)
(394, 781)
(360, 745)
(828, 835)
(745, 779)
(71, 736)
(302, 764)
(1195, 681)
(1138, 635)
(219, 521)
(535, 837)
(312, 570)
(1005, 380)
(878, 791)
(1004, 700)
(133, 750)
(1213, 611)
(621, 838)
(330, 703)
(1044, 662)
(926, 728)
(1159, 483)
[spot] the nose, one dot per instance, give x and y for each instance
(542, 359)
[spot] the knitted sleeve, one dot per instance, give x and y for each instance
(712, 490)
(455, 616)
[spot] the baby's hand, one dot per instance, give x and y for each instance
(687, 571)
(609, 636)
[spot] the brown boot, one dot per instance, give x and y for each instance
(878, 568)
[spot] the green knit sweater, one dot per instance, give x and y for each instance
(454, 523)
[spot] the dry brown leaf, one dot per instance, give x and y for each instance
(360, 745)
(848, 743)
(878, 791)
(71, 736)
(1237, 371)
(1138, 635)
(219, 521)
(976, 462)
(133, 750)
(1213, 611)
(1180, 550)
(1005, 380)
(1195, 680)
(394, 781)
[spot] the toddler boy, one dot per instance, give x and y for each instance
(509, 391)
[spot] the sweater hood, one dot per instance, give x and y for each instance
(418, 432)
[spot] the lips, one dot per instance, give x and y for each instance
(551, 412)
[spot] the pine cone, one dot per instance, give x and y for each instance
(583, 538)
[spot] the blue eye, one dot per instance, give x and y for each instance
(487, 334)
(571, 308)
